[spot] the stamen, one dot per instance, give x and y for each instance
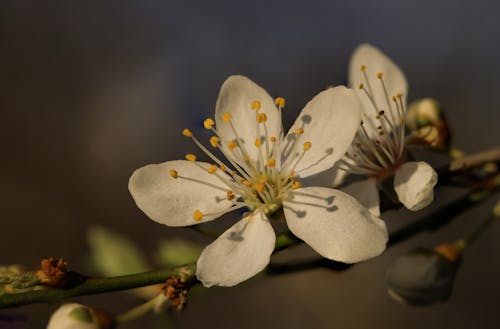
(212, 169)
(271, 163)
(261, 117)
(256, 105)
(307, 146)
(362, 68)
(197, 215)
(272, 139)
(174, 173)
(380, 75)
(226, 117)
(209, 123)
(259, 187)
(186, 132)
(258, 142)
(191, 157)
(222, 167)
(299, 131)
(229, 195)
(296, 185)
(214, 140)
(361, 86)
(280, 102)
(231, 145)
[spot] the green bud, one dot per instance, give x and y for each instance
(423, 112)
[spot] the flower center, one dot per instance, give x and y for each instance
(255, 180)
(379, 144)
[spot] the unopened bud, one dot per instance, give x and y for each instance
(77, 316)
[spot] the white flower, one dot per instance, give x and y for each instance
(267, 167)
(73, 316)
(378, 150)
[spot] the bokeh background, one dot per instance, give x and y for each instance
(91, 90)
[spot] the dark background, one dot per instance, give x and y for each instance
(91, 90)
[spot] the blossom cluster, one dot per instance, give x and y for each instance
(254, 165)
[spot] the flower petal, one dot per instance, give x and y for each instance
(414, 184)
(172, 201)
(366, 192)
(329, 121)
(374, 62)
(235, 97)
(238, 254)
(334, 224)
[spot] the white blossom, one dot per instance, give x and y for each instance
(379, 149)
(262, 171)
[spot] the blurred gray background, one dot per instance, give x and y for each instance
(91, 90)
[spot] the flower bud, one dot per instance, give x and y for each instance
(423, 276)
(426, 120)
(77, 316)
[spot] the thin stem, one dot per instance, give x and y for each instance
(138, 311)
(95, 286)
(477, 232)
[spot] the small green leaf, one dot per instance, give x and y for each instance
(175, 252)
(114, 254)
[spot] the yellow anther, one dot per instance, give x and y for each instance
(259, 187)
(222, 167)
(362, 68)
(197, 215)
(361, 86)
(212, 169)
(246, 158)
(271, 163)
(258, 142)
(399, 95)
(401, 121)
(209, 123)
(186, 132)
(393, 98)
(214, 140)
(226, 117)
(232, 145)
(280, 102)
(174, 173)
(380, 75)
(299, 131)
(256, 105)
(249, 184)
(261, 117)
(263, 180)
(307, 146)
(229, 195)
(272, 139)
(190, 157)
(296, 185)
(358, 145)
(242, 180)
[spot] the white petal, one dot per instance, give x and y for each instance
(376, 62)
(329, 121)
(335, 225)
(414, 184)
(235, 97)
(172, 201)
(238, 254)
(366, 192)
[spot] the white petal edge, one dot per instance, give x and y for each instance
(238, 254)
(329, 121)
(172, 201)
(414, 184)
(335, 225)
(235, 97)
(366, 192)
(376, 62)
